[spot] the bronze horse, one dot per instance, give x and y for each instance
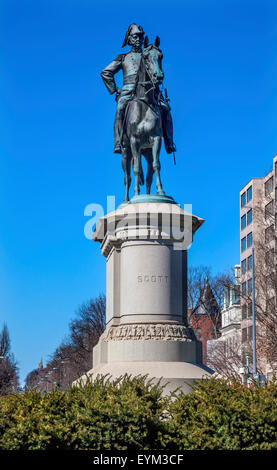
(142, 127)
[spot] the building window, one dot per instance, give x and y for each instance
(243, 244)
(243, 200)
(243, 266)
(249, 194)
(249, 240)
(249, 286)
(227, 296)
(243, 312)
(250, 333)
(235, 295)
(243, 288)
(268, 187)
(249, 217)
(249, 309)
(249, 263)
(269, 233)
(269, 210)
(243, 222)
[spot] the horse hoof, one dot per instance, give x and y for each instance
(161, 192)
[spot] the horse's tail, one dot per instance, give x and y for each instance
(141, 175)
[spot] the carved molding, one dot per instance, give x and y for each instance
(146, 331)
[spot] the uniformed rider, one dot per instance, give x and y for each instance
(129, 63)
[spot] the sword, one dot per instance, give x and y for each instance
(167, 100)
(166, 96)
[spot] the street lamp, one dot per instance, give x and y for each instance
(247, 356)
(65, 362)
(255, 375)
(248, 374)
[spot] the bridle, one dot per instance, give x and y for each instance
(144, 84)
(147, 82)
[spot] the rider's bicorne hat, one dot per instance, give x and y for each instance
(133, 29)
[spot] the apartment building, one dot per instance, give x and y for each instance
(231, 317)
(257, 235)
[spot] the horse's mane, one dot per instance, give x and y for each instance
(142, 68)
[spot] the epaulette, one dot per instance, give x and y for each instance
(120, 57)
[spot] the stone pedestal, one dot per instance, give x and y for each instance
(145, 245)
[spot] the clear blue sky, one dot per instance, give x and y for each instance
(56, 140)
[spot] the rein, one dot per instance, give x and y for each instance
(145, 82)
(141, 99)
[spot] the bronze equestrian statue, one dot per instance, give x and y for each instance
(143, 116)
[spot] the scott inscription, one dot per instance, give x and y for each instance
(152, 278)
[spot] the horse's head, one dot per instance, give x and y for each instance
(153, 61)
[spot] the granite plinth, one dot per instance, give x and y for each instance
(145, 245)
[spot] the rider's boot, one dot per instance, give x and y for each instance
(117, 133)
(118, 125)
(117, 148)
(168, 131)
(170, 147)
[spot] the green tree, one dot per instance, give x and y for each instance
(73, 357)
(9, 382)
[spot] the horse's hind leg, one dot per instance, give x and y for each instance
(156, 164)
(136, 164)
(126, 165)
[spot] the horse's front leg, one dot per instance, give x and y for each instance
(156, 163)
(126, 165)
(135, 147)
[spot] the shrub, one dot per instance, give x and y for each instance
(117, 415)
(132, 414)
(220, 415)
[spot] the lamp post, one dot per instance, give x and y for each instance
(248, 374)
(64, 365)
(61, 371)
(56, 368)
(247, 356)
(254, 319)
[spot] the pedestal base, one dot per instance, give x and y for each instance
(174, 356)
(152, 198)
(172, 375)
(145, 244)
